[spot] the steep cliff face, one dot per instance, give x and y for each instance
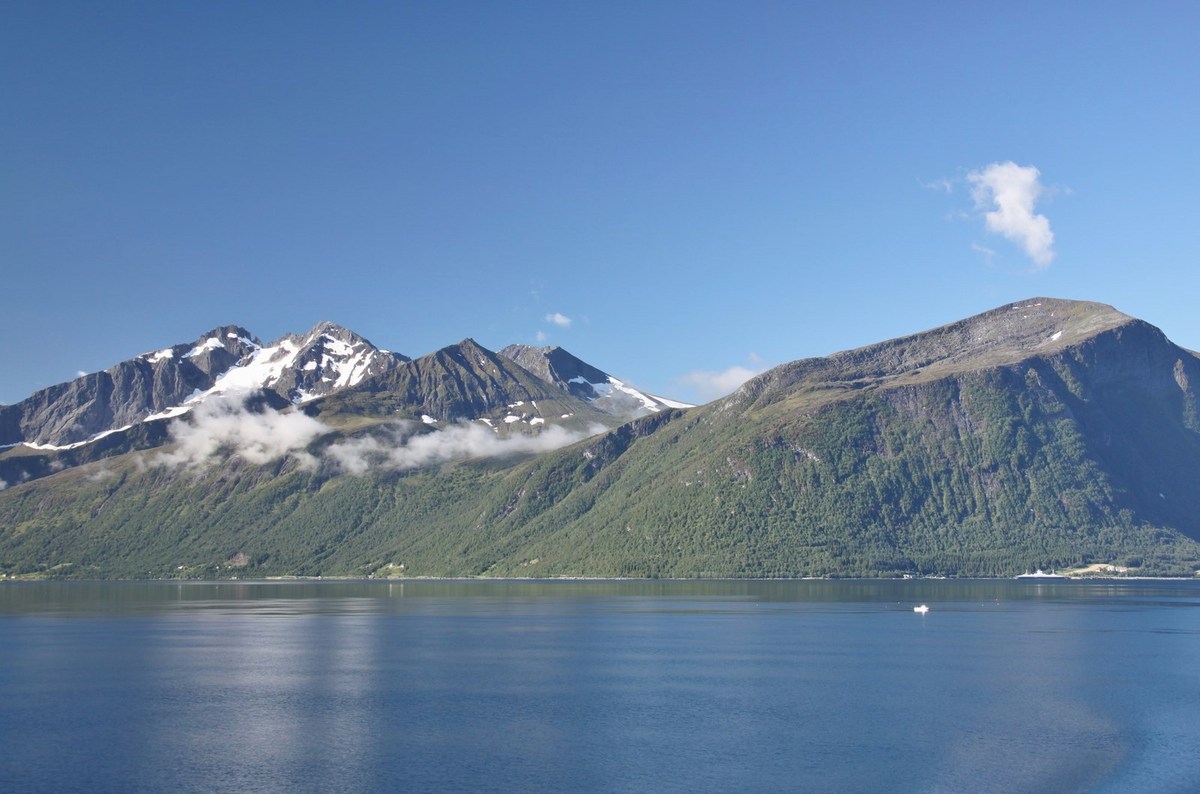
(555, 365)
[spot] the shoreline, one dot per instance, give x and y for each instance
(549, 579)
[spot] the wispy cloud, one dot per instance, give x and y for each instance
(540, 336)
(400, 448)
(706, 385)
(988, 253)
(942, 185)
(1007, 194)
(561, 320)
(100, 475)
(224, 427)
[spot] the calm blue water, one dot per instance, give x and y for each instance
(629, 686)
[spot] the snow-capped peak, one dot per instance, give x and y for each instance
(302, 367)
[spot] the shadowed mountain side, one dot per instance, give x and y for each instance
(602, 391)
(464, 381)
(125, 393)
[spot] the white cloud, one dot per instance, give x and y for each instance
(561, 320)
(540, 336)
(400, 449)
(944, 185)
(1007, 194)
(80, 373)
(711, 385)
(987, 253)
(101, 474)
(223, 425)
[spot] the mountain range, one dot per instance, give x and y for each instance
(328, 371)
(1045, 433)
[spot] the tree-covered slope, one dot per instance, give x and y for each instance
(1085, 451)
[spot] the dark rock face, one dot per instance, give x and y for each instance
(557, 366)
(605, 393)
(462, 381)
(126, 393)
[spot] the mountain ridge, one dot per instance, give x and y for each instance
(1005, 334)
(611, 395)
(327, 371)
(1054, 435)
(125, 393)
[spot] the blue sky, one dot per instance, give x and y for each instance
(679, 193)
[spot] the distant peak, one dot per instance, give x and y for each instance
(1035, 322)
(512, 351)
(333, 331)
(467, 348)
(327, 327)
(1059, 307)
(469, 344)
(224, 332)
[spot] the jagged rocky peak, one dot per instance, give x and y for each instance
(301, 367)
(586, 382)
(212, 353)
(469, 361)
(556, 365)
(460, 381)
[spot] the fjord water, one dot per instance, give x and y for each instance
(613, 686)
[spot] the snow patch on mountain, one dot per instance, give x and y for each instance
(586, 382)
(74, 445)
(212, 343)
(302, 368)
(616, 396)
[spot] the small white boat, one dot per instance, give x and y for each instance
(1039, 574)
(922, 609)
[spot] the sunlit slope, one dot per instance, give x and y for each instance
(1075, 441)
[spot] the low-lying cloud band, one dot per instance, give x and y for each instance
(224, 427)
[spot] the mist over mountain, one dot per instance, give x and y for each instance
(1045, 433)
(331, 372)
